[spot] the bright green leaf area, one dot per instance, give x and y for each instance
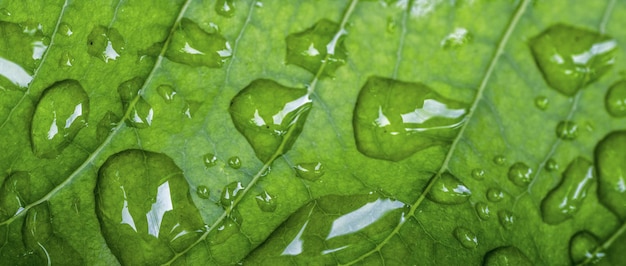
(397, 132)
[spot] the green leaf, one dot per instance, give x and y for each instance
(398, 132)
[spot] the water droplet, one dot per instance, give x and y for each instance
(193, 46)
(225, 231)
(105, 43)
(495, 195)
(106, 124)
(567, 130)
(167, 92)
(60, 114)
(552, 165)
(570, 58)
(14, 194)
(447, 189)
(482, 210)
(310, 171)
(506, 218)
(21, 51)
(266, 202)
(209, 160)
(230, 193)
(456, 39)
(321, 43)
(615, 100)
(65, 29)
(5, 12)
(391, 25)
(203, 192)
(67, 59)
(499, 159)
(520, 174)
(567, 197)
(225, 8)
(507, 255)
(610, 155)
(270, 116)
(234, 162)
(144, 206)
(190, 108)
(583, 249)
(542, 102)
(395, 119)
(478, 173)
(142, 113)
(267, 171)
(466, 237)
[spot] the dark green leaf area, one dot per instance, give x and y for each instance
(317, 45)
(145, 208)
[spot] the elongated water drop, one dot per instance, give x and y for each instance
(570, 58)
(520, 174)
(60, 114)
(270, 116)
(615, 100)
(505, 256)
(225, 8)
(144, 207)
(266, 202)
(482, 210)
(230, 193)
(193, 46)
(566, 199)
(105, 43)
(141, 113)
(466, 237)
(567, 130)
(447, 189)
(322, 43)
(394, 119)
(610, 158)
(310, 171)
(583, 249)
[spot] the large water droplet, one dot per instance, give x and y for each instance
(106, 124)
(167, 92)
(520, 174)
(141, 114)
(566, 198)
(570, 58)
(225, 8)
(395, 119)
(466, 237)
(310, 171)
(615, 100)
(542, 102)
(193, 46)
(230, 193)
(234, 162)
(583, 249)
(145, 208)
(482, 210)
(60, 114)
(266, 202)
(270, 116)
(567, 130)
(203, 192)
(495, 195)
(506, 219)
(322, 43)
(610, 157)
(209, 160)
(21, 51)
(447, 189)
(105, 43)
(504, 256)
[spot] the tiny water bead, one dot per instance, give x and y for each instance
(394, 119)
(105, 43)
(507, 255)
(142, 113)
(571, 58)
(230, 193)
(551, 165)
(193, 46)
(478, 173)
(447, 189)
(564, 201)
(21, 51)
(144, 207)
(203, 192)
(499, 160)
(615, 100)
(270, 116)
(610, 155)
(567, 130)
(266, 202)
(234, 162)
(583, 249)
(61, 113)
(106, 124)
(506, 219)
(520, 174)
(209, 160)
(166, 92)
(225, 8)
(466, 237)
(482, 210)
(310, 171)
(542, 102)
(456, 39)
(322, 43)
(495, 195)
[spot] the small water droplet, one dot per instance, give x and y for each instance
(394, 119)
(190, 108)
(234, 162)
(520, 174)
(203, 192)
(456, 39)
(552, 165)
(316, 45)
(225, 8)
(542, 102)
(570, 58)
(495, 195)
(499, 159)
(567, 130)
(142, 114)
(227, 230)
(506, 218)
(391, 25)
(61, 113)
(447, 189)
(167, 92)
(5, 12)
(267, 171)
(564, 201)
(65, 29)
(230, 193)
(610, 155)
(615, 100)
(583, 249)
(310, 171)
(466, 237)
(105, 43)
(15, 192)
(209, 160)
(67, 59)
(508, 255)
(483, 211)
(106, 124)
(21, 50)
(478, 173)
(266, 202)
(193, 46)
